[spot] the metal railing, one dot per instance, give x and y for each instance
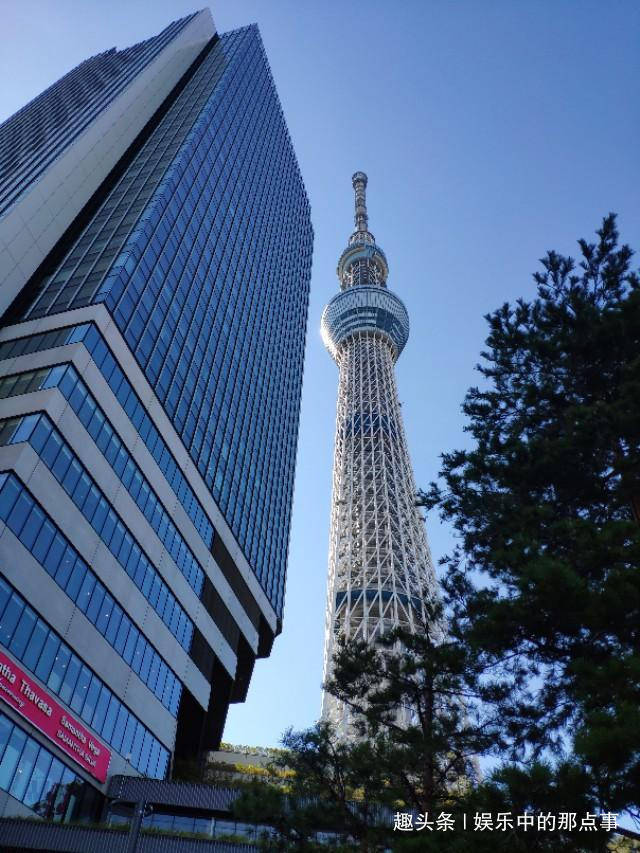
(17, 834)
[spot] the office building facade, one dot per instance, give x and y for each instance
(155, 255)
(380, 567)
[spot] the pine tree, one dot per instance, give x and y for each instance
(427, 755)
(543, 506)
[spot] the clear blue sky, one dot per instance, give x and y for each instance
(491, 131)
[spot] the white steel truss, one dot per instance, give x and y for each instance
(380, 566)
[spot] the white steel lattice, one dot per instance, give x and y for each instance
(380, 566)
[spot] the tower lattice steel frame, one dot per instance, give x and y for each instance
(380, 566)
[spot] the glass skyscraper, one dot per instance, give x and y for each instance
(155, 256)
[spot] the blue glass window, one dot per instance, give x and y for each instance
(80, 586)
(31, 774)
(80, 487)
(66, 676)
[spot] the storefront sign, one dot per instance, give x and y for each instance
(20, 692)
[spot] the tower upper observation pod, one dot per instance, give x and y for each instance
(364, 304)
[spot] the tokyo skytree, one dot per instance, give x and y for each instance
(380, 567)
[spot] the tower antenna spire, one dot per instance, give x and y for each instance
(363, 261)
(359, 181)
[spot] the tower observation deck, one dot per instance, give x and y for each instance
(380, 567)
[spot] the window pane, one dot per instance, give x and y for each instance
(65, 566)
(152, 678)
(59, 669)
(130, 645)
(26, 427)
(43, 541)
(163, 763)
(32, 527)
(175, 697)
(86, 590)
(81, 491)
(24, 769)
(131, 723)
(110, 719)
(54, 554)
(51, 449)
(8, 495)
(88, 709)
(141, 645)
(119, 728)
(47, 656)
(121, 636)
(70, 679)
(5, 730)
(146, 664)
(34, 646)
(97, 597)
(10, 618)
(23, 631)
(49, 790)
(81, 688)
(10, 757)
(40, 435)
(91, 502)
(62, 463)
(38, 778)
(101, 709)
(162, 676)
(145, 752)
(66, 797)
(5, 594)
(114, 617)
(136, 746)
(19, 513)
(154, 755)
(71, 479)
(75, 579)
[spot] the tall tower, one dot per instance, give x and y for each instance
(380, 567)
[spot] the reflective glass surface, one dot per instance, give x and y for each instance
(34, 136)
(89, 335)
(33, 775)
(202, 253)
(27, 636)
(50, 547)
(93, 504)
